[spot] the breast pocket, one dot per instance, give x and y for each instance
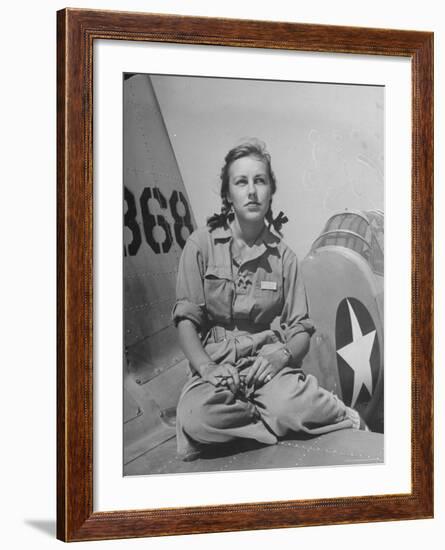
(268, 297)
(218, 291)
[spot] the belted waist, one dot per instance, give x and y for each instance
(218, 333)
(244, 339)
(230, 344)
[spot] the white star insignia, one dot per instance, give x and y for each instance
(358, 356)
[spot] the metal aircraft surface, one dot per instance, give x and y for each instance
(343, 274)
(157, 222)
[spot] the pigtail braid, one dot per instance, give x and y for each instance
(278, 222)
(221, 219)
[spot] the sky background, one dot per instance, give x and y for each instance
(326, 143)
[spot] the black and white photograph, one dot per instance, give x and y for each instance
(253, 248)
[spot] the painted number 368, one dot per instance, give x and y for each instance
(159, 241)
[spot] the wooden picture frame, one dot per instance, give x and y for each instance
(77, 31)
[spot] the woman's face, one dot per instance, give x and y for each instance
(250, 188)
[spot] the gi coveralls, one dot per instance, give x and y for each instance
(233, 304)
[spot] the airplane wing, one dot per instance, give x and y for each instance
(345, 447)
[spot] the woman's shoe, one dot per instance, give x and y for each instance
(357, 421)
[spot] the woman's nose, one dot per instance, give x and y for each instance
(251, 189)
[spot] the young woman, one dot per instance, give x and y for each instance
(236, 276)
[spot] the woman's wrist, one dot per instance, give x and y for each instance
(205, 367)
(287, 357)
(298, 346)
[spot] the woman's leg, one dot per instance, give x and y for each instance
(292, 401)
(207, 415)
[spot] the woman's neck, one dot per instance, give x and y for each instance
(247, 232)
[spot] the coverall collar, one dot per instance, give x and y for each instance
(265, 240)
(266, 237)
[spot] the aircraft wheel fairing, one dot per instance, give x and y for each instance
(345, 300)
(358, 356)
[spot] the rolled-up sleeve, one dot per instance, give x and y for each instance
(294, 317)
(190, 301)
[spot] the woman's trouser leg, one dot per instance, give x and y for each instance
(293, 401)
(207, 414)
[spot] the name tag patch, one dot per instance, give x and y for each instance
(268, 285)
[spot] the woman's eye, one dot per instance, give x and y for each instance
(260, 180)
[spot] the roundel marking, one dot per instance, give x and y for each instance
(358, 351)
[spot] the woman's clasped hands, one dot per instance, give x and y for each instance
(261, 371)
(271, 360)
(221, 375)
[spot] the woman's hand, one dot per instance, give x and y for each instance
(266, 366)
(221, 375)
